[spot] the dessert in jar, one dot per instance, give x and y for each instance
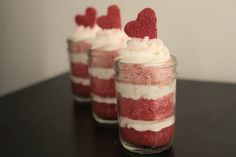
(146, 87)
(101, 65)
(79, 44)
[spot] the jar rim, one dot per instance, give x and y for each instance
(172, 61)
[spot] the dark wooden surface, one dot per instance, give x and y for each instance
(43, 121)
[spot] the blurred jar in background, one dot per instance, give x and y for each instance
(79, 45)
(101, 69)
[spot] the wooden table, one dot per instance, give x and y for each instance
(44, 121)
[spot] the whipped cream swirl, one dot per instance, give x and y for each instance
(110, 40)
(87, 34)
(144, 51)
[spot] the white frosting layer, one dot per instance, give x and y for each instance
(110, 40)
(141, 125)
(79, 58)
(144, 91)
(79, 80)
(104, 100)
(102, 73)
(87, 34)
(144, 51)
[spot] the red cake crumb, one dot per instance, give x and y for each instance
(81, 90)
(111, 20)
(147, 138)
(79, 70)
(87, 20)
(143, 26)
(144, 109)
(106, 111)
(103, 88)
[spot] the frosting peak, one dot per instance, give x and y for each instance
(110, 40)
(141, 51)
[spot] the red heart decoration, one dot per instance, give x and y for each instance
(144, 25)
(112, 19)
(87, 20)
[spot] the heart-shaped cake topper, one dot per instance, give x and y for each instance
(144, 26)
(112, 19)
(87, 20)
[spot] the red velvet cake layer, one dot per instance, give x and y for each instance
(144, 109)
(81, 90)
(145, 74)
(103, 59)
(78, 47)
(103, 88)
(106, 111)
(79, 70)
(147, 138)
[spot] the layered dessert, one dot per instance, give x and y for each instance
(101, 65)
(145, 85)
(79, 44)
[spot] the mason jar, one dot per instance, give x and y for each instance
(146, 97)
(102, 79)
(78, 56)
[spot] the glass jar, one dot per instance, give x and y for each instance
(103, 94)
(146, 95)
(78, 55)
